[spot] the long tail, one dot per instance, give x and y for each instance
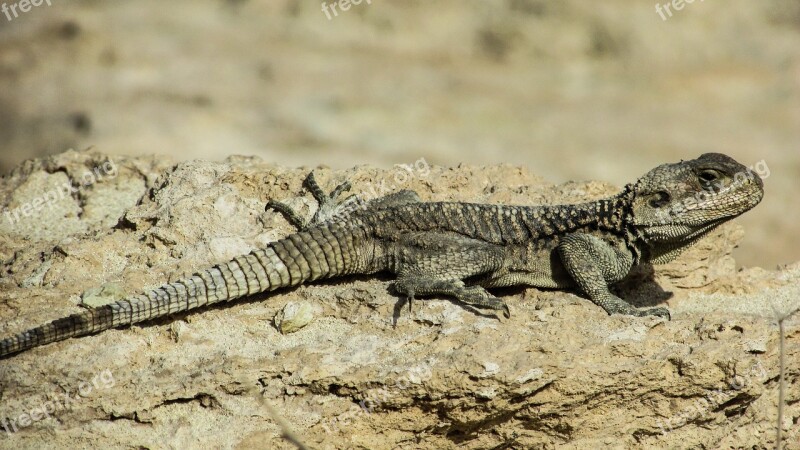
(322, 252)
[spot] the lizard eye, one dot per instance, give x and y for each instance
(708, 176)
(659, 199)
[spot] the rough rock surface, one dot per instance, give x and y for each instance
(559, 373)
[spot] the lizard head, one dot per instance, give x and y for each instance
(675, 204)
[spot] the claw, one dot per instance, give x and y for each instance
(494, 303)
(338, 190)
(288, 213)
(409, 299)
(659, 312)
(311, 184)
(272, 204)
(500, 305)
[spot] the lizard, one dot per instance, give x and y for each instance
(457, 249)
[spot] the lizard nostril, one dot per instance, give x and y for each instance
(659, 199)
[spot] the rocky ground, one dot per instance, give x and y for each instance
(558, 373)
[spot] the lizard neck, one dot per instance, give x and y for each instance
(611, 214)
(634, 239)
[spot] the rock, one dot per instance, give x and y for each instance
(294, 316)
(105, 294)
(558, 373)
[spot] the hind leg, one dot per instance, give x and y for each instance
(329, 205)
(332, 206)
(411, 286)
(432, 263)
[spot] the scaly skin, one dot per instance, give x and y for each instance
(459, 249)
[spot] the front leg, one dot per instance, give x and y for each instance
(594, 264)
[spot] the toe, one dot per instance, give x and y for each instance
(659, 312)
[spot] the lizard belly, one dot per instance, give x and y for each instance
(540, 267)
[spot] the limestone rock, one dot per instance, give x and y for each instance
(558, 373)
(294, 316)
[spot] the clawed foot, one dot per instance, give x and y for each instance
(480, 298)
(329, 206)
(615, 305)
(499, 305)
(474, 296)
(631, 311)
(492, 303)
(658, 312)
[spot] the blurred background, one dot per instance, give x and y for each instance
(573, 89)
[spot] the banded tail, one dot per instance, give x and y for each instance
(318, 253)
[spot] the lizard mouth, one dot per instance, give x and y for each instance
(676, 232)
